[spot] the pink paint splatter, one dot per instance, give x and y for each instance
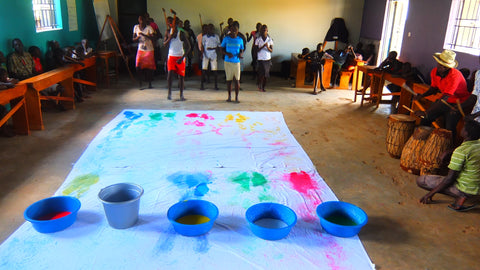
(335, 254)
(216, 130)
(278, 143)
(302, 182)
(285, 153)
(198, 123)
(195, 123)
(192, 115)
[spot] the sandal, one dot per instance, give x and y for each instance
(461, 208)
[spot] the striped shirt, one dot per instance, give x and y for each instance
(466, 160)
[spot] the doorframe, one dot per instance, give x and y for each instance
(393, 28)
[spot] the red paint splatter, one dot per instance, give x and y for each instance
(206, 117)
(203, 115)
(56, 215)
(302, 182)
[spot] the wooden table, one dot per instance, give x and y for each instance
(89, 69)
(16, 97)
(64, 76)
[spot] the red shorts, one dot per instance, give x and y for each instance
(172, 65)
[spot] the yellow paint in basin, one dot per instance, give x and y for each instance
(193, 219)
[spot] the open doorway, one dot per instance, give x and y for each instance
(393, 27)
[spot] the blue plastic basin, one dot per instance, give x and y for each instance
(341, 218)
(270, 221)
(192, 208)
(41, 213)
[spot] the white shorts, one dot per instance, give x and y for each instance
(232, 70)
(213, 63)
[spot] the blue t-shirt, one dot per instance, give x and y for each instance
(233, 46)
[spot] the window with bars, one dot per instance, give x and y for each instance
(47, 15)
(463, 31)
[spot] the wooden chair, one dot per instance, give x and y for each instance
(104, 57)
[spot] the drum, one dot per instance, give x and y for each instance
(438, 142)
(400, 128)
(410, 159)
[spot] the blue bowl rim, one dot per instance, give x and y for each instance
(342, 203)
(76, 201)
(252, 222)
(212, 219)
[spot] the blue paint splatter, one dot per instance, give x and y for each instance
(202, 245)
(201, 189)
(165, 241)
(124, 124)
(132, 116)
(194, 183)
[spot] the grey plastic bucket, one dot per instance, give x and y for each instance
(121, 203)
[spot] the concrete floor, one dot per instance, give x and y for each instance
(346, 143)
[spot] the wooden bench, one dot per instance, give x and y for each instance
(90, 70)
(16, 97)
(64, 76)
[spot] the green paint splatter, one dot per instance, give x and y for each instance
(266, 198)
(81, 184)
(170, 115)
(243, 180)
(160, 116)
(156, 116)
(258, 179)
(248, 181)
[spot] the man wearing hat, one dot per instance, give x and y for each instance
(449, 81)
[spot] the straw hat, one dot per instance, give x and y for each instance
(446, 58)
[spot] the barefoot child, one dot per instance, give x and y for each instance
(232, 48)
(463, 179)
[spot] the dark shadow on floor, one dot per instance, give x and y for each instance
(385, 230)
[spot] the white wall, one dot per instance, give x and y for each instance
(293, 24)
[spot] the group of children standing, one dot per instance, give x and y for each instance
(231, 44)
